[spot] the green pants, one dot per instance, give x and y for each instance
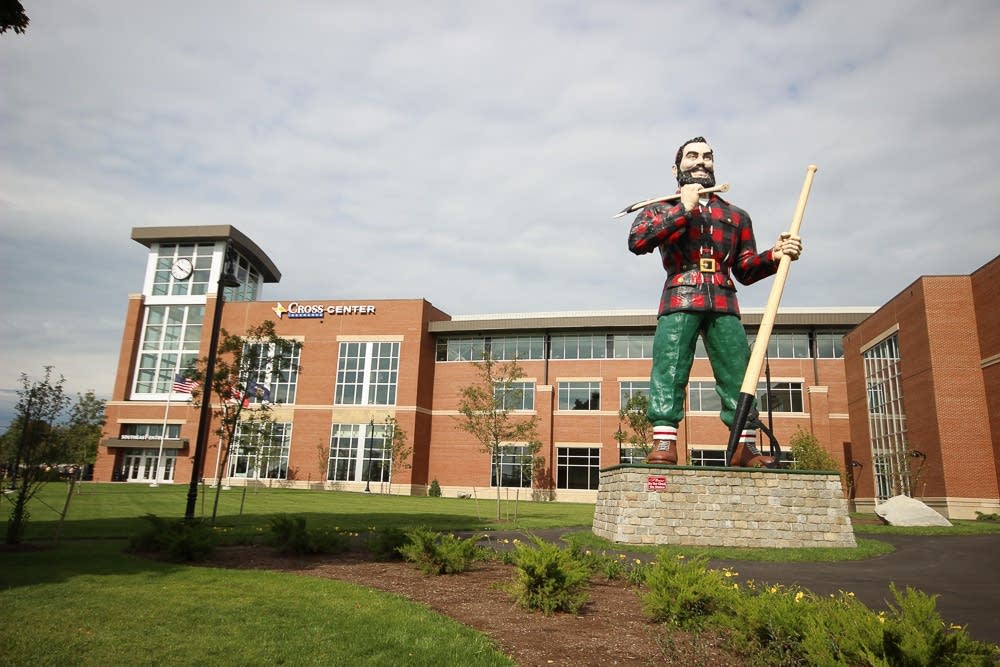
(673, 353)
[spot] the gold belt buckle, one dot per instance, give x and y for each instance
(707, 265)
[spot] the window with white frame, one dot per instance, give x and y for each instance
(887, 418)
(171, 339)
(702, 396)
(698, 456)
(278, 370)
(518, 395)
(195, 284)
(793, 345)
(360, 452)
(514, 462)
(461, 348)
(508, 348)
(632, 346)
(829, 345)
(261, 453)
(150, 431)
(367, 373)
(784, 397)
(579, 346)
(629, 388)
(631, 455)
(249, 278)
(584, 395)
(578, 467)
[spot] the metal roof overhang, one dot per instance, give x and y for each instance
(147, 236)
(805, 318)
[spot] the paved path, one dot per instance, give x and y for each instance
(962, 570)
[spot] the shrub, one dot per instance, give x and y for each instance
(548, 579)
(980, 516)
(385, 544)
(290, 536)
(434, 553)
(686, 594)
(180, 540)
(809, 453)
(434, 490)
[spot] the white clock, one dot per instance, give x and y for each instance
(181, 269)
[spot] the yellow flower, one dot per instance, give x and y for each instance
(622, 556)
(587, 552)
(772, 589)
(799, 596)
(638, 561)
(516, 541)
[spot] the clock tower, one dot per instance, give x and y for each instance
(150, 422)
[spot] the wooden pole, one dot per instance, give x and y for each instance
(748, 391)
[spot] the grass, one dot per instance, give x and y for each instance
(88, 603)
(116, 510)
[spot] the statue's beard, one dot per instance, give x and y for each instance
(685, 177)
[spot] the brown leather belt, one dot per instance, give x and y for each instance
(704, 265)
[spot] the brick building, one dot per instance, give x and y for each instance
(363, 360)
(923, 377)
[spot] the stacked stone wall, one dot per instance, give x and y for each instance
(698, 506)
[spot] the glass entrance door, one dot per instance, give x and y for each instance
(139, 465)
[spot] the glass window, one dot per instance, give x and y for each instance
(367, 373)
(249, 278)
(576, 346)
(829, 345)
(514, 462)
(260, 453)
(578, 467)
(200, 256)
(887, 419)
(171, 337)
(633, 346)
(629, 388)
(150, 431)
(579, 395)
(515, 396)
(461, 348)
(631, 455)
(360, 452)
(508, 348)
(702, 396)
(277, 369)
(785, 397)
(786, 345)
(708, 457)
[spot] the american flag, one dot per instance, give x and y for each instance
(184, 385)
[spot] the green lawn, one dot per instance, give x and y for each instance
(89, 603)
(116, 510)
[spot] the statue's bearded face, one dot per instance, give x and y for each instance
(697, 165)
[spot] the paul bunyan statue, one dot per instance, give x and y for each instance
(704, 242)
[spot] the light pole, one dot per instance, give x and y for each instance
(368, 456)
(227, 279)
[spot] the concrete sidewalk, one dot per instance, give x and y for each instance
(962, 570)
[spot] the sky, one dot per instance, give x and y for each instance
(473, 153)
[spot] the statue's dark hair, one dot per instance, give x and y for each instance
(680, 151)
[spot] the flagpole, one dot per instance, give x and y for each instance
(163, 434)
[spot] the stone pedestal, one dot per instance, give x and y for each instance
(731, 507)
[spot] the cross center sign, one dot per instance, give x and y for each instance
(656, 483)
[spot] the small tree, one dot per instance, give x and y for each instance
(247, 369)
(808, 453)
(36, 443)
(486, 416)
(640, 432)
(83, 431)
(399, 448)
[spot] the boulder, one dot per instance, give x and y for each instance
(906, 511)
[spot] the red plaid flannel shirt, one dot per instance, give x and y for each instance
(715, 231)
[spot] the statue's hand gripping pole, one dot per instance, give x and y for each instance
(639, 205)
(748, 391)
